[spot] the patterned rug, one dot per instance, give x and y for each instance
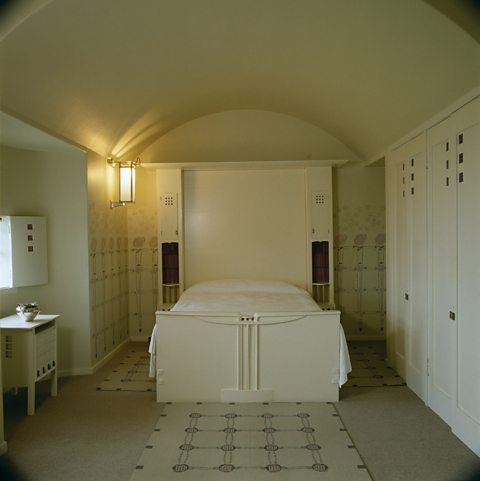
(369, 368)
(245, 442)
(132, 372)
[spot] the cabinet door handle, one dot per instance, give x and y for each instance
(451, 315)
(406, 296)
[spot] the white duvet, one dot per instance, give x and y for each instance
(245, 297)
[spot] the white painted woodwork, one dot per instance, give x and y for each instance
(401, 268)
(23, 251)
(170, 229)
(319, 219)
(466, 130)
(408, 193)
(417, 228)
(248, 224)
(282, 357)
(447, 376)
(29, 353)
(257, 224)
(443, 270)
(168, 216)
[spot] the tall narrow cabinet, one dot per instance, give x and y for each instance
(170, 236)
(318, 183)
(443, 269)
(408, 270)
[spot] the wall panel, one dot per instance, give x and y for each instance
(248, 224)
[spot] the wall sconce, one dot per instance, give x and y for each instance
(126, 184)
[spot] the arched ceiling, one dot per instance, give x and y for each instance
(114, 76)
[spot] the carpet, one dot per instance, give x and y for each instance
(131, 374)
(369, 369)
(245, 442)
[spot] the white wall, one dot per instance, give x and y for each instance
(54, 185)
(245, 224)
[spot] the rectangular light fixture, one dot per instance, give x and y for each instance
(126, 181)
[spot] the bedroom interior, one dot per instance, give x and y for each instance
(351, 180)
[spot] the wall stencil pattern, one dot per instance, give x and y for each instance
(359, 251)
(108, 261)
(108, 293)
(143, 276)
(143, 255)
(360, 270)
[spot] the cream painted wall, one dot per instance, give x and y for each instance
(245, 224)
(359, 246)
(246, 135)
(54, 185)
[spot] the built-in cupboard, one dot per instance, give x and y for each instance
(433, 227)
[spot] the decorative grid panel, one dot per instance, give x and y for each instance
(360, 270)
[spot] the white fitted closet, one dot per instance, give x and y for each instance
(433, 224)
(407, 166)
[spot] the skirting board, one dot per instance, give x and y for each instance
(91, 370)
(139, 338)
(366, 338)
(246, 395)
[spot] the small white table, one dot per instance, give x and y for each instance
(29, 353)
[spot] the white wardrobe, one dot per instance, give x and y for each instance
(433, 233)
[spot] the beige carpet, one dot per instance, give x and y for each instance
(131, 374)
(244, 442)
(369, 368)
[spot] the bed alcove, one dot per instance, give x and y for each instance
(261, 221)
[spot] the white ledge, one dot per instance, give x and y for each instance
(247, 165)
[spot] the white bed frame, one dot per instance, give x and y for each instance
(266, 357)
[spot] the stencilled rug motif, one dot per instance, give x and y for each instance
(246, 442)
(131, 374)
(369, 369)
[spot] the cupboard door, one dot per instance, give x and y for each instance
(402, 269)
(466, 123)
(417, 231)
(443, 258)
(168, 215)
(409, 231)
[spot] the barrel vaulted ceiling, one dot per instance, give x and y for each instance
(117, 76)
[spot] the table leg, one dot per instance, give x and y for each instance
(31, 373)
(31, 398)
(53, 386)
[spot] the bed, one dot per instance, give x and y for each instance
(248, 341)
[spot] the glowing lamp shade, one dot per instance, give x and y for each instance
(127, 182)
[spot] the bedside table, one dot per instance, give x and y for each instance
(29, 353)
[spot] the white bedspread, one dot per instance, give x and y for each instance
(248, 297)
(245, 297)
